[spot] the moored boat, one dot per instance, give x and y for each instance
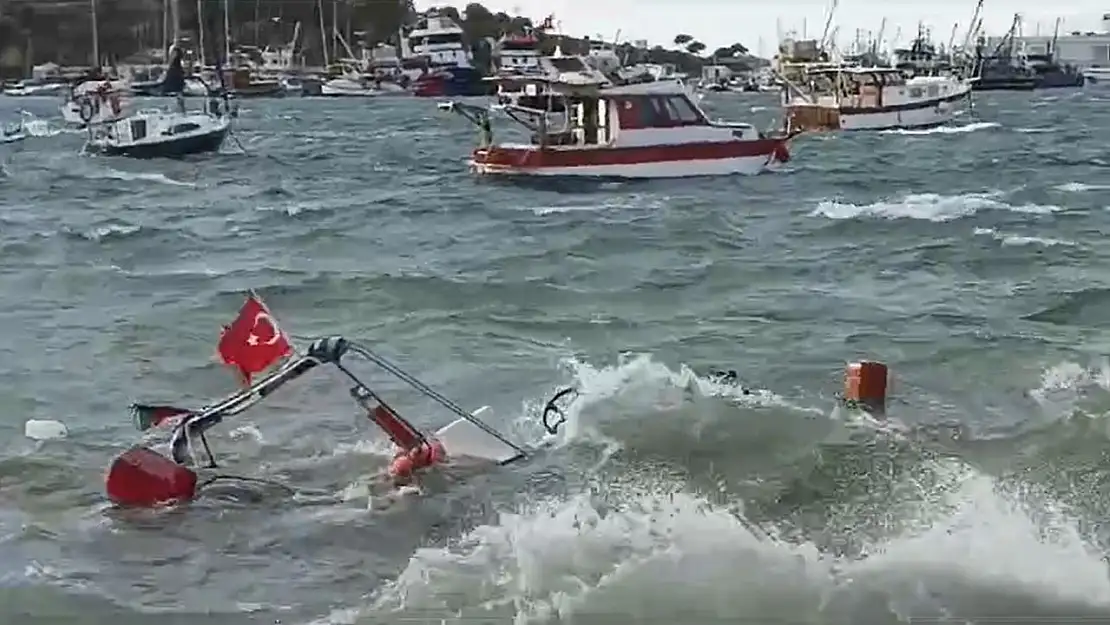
(584, 125)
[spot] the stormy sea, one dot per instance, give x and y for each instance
(970, 258)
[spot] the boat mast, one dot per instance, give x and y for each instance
(200, 30)
(95, 35)
(1055, 35)
(323, 33)
(227, 33)
(175, 20)
(334, 29)
(166, 30)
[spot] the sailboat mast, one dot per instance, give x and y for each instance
(166, 30)
(200, 30)
(175, 22)
(95, 35)
(227, 32)
(334, 29)
(323, 32)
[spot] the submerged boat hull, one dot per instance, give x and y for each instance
(663, 161)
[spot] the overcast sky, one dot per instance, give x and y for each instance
(722, 22)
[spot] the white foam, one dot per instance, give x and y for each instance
(926, 206)
(665, 555)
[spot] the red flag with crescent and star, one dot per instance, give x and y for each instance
(254, 341)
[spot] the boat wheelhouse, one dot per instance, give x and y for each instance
(870, 98)
(441, 41)
(518, 54)
(583, 125)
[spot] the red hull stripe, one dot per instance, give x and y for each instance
(525, 158)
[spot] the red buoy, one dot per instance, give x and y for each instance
(140, 477)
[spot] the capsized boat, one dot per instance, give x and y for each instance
(142, 477)
(585, 123)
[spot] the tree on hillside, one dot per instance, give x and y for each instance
(733, 51)
(38, 31)
(695, 47)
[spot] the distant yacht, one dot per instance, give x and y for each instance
(440, 43)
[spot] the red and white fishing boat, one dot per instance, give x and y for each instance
(586, 123)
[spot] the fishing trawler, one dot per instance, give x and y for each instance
(584, 124)
(838, 97)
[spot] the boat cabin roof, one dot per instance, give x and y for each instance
(561, 73)
(855, 70)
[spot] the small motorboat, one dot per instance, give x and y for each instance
(586, 123)
(13, 133)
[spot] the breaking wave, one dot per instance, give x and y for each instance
(829, 520)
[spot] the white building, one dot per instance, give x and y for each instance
(1082, 49)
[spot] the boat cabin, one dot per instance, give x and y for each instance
(863, 87)
(629, 116)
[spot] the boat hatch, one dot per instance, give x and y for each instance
(138, 129)
(183, 128)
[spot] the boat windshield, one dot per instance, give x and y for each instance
(569, 64)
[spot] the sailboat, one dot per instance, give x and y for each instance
(158, 133)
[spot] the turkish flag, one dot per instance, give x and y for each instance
(254, 341)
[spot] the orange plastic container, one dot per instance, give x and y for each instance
(866, 382)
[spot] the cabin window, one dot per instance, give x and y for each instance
(934, 91)
(138, 129)
(683, 110)
(916, 92)
(187, 127)
(629, 113)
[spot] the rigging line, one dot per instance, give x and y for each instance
(424, 388)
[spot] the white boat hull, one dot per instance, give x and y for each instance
(661, 169)
(1098, 76)
(160, 134)
(936, 115)
(461, 438)
(343, 92)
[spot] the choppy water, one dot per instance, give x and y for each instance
(970, 258)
